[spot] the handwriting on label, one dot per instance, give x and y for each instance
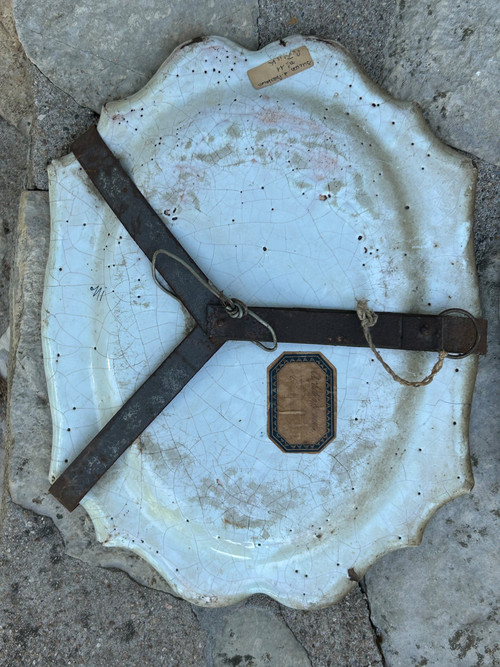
(301, 404)
(280, 68)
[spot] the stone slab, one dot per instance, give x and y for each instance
(57, 121)
(58, 611)
(337, 635)
(13, 176)
(107, 50)
(487, 212)
(438, 604)
(256, 637)
(15, 74)
(360, 26)
(445, 56)
(328, 634)
(4, 353)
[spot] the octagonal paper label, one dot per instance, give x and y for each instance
(301, 402)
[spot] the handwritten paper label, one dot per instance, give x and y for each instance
(301, 402)
(280, 68)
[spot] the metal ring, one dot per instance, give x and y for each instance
(473, 348)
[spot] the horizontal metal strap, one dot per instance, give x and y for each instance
(396, 331)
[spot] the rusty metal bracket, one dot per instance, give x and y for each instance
(141, 221)
(133, 418)
(458, 335)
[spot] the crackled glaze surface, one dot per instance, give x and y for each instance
(316, 191)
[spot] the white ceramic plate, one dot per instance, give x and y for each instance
(313, 192)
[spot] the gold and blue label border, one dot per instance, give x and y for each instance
(330, 396)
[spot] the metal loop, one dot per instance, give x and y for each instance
(269, 328)
(236, 309)
(157, 282)
(477, 340)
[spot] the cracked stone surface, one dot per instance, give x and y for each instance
(362, 28)
(57, 121)
(13, 156)
(15, 73)
(253, 636)
(58, 611)
(487, 211)
(339, 635)
(326, 634)
(445, 56)
(75, 48)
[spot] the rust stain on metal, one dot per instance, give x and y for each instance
(395, 331)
